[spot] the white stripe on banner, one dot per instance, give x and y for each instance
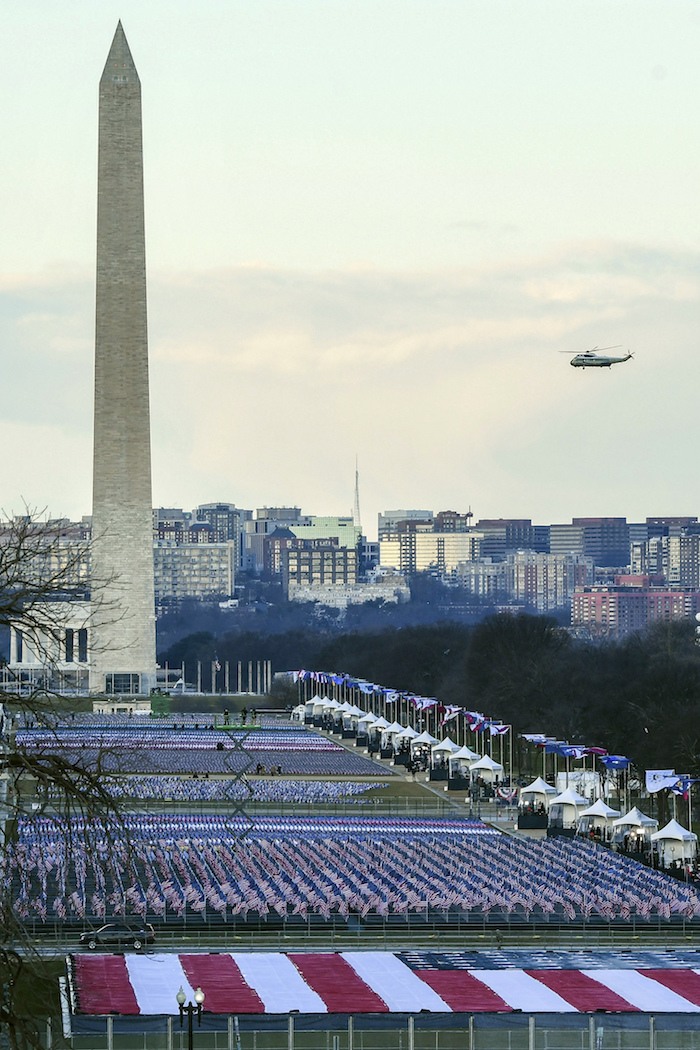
(643, 992)
(523, 992)
(278, 983)
(156, 980)
(395, 983)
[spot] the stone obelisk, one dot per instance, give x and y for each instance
(122, 649)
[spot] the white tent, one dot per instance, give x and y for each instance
(389, 733)
(364, 723)
(402, 740)
(466, 754)
(601, 809)
(312, 704)
(376, 728)
(440, 753)
(488, 769)
(599, 816)
(351, 714)
(635, 819)
(633, 831)
(356, 713)
(380, 723)
(675, 844)
(423, 739)
(538, 793)
(564, 809)
(446, 746)
(460, 761)
(298, 713)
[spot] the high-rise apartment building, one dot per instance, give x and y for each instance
(317, 565)
(415, 550)
(605, 540)
(227, 520)
(388, 521)
(616, 611)
(512, 534)
(202, 571)
(546, 581)
(343, 529)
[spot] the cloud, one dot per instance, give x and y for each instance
(265, 382)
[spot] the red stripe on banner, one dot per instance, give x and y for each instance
(341, 988)
(683, 982)
(225, 989)
(102, 985)
(582, 991)
(463, 992)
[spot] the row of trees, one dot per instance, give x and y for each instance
(639, 696)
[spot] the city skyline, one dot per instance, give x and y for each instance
(373, 243)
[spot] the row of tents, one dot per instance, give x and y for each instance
(634, 832)
(539, 804)
(445, 759)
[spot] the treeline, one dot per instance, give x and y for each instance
(263, 608)
(639, 696)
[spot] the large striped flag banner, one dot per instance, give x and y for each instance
(367, 982)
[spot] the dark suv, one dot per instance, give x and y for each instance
(118, 934)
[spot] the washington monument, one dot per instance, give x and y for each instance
(123, 648)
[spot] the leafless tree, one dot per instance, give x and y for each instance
(44, 573)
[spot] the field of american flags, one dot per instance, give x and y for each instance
(158, 866)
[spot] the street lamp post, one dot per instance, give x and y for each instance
(190, 1010)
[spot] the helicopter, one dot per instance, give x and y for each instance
(591, 358)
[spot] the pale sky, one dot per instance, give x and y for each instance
(371, 225)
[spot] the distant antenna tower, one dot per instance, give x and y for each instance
(356, 506)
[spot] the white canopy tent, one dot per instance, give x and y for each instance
(402, 741)
(537, 794)
(355, 715)
(633, 830)
(445, 747)
(351, 716)
(424, 739)
(461, 760)
(388, 734)
(364, 723)
(564, 809)
(488, 769)
(376, 728)
(635, 819)
(597, 818)
(440, 754)
(339, 711)
(675, 844)
(298, 713)
(314, 705)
